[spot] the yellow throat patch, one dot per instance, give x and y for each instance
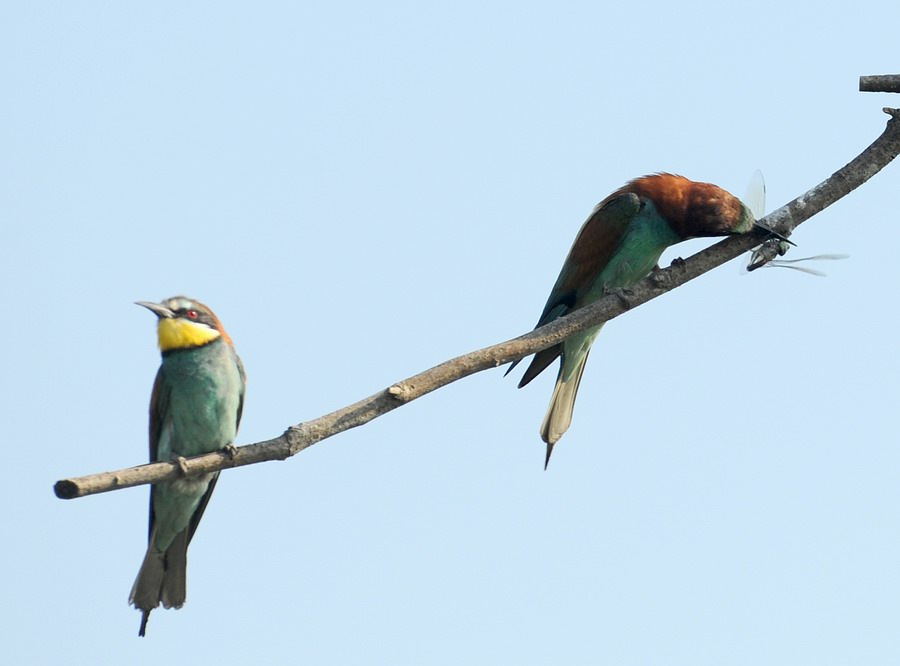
(178, 333)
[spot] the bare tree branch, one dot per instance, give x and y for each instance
(884, 83)
(296, 438)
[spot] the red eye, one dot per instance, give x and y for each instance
(192, 314)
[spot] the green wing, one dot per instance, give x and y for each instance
(597, 242)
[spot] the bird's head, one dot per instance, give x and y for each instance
(693, 209)
(185, 323)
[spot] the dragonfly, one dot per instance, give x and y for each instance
(764, 255)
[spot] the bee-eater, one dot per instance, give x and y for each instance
(619, 245)
(195, 408)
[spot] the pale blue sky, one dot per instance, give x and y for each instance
(362, 191)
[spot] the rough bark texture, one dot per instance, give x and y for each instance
(296, 438)
(883, 83)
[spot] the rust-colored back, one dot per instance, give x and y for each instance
(692, 209)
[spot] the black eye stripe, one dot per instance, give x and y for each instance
(198, 315)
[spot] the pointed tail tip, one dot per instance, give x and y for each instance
(547, 459)
(145, 615)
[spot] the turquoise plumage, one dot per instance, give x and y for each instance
(618, 245)
(195, 408)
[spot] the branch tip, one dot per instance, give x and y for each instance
(889, 83)
(65, 489)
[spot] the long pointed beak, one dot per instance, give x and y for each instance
(160, 311)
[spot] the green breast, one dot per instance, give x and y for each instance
(205, 389)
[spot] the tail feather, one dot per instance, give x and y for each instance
(174, 584)
(145, 592)
(562, 404)
(161, 579)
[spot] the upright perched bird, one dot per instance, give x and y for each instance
(195, 408)
(619, 245)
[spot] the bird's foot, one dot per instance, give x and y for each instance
(230, 451)
(623, 294)
(661, 278)
(181, 461)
